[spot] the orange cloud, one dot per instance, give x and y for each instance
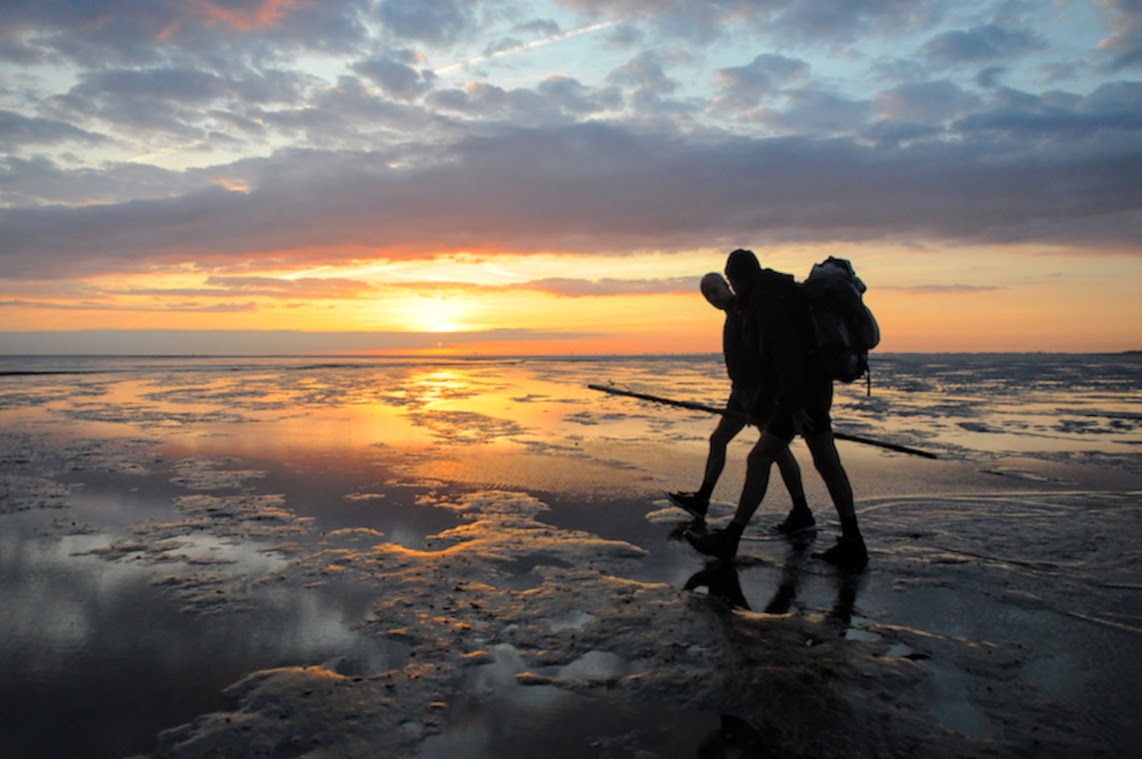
(268, 13)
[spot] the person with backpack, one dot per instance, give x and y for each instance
(778, 330)
(747, 403)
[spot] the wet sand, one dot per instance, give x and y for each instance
(477, 560)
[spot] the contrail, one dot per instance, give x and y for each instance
(527, 46)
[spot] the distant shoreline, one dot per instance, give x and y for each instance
(9, 363)
(475, 357)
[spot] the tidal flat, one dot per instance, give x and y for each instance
(475, 558)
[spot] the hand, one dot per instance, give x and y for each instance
(801, 422)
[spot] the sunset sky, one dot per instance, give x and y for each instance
(555, 176)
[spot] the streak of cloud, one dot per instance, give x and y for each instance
(255, 342)
(524, 47)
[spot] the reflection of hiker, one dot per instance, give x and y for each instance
(722, 581)
(720, 578)
(776, 326)
(746, 404)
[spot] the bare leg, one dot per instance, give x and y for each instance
(850, 550)
(720, 438)
(828, 463)
(767, 449)
(791, 476)
(723, 544)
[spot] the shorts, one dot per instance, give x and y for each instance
(740, 402)
(818, 399)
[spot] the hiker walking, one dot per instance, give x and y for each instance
(777, 329)
(747, 404)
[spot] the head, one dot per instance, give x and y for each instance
(742, 269)
(717, 291)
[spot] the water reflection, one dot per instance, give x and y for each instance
(376, 446)
(96, 659)
(722, 580)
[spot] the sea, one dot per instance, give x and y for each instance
(1052, 406)
(160, 515)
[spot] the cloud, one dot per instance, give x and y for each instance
(434, 21)
(1124, 44)
(597, 187)
(17, 130)
(40, 181)
(745, 86)
(396, 78)
(940, 289)
(579, 288)
(255, 342)
(789, 19)
(819, 111)
(128, 32)
(1112, 112)
(646, 71)
(367, 154)
(168, 306)
(925, 102)
(548, 31)
(308, 288)
(982, 44)
(572, 97)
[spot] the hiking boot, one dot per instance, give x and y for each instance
(848, 553)
(692, 503)
(721, 544)
(797, 524)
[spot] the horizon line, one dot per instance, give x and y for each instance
(564, 355)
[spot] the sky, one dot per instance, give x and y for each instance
(502, 177)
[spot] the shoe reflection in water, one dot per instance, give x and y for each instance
(722, 581)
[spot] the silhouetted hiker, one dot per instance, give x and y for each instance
(747, 404)
(777, 330)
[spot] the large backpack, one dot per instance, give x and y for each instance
(844, 329)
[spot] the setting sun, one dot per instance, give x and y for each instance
(437, 313)
(528, 202)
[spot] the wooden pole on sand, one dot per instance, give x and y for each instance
(727, 412)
